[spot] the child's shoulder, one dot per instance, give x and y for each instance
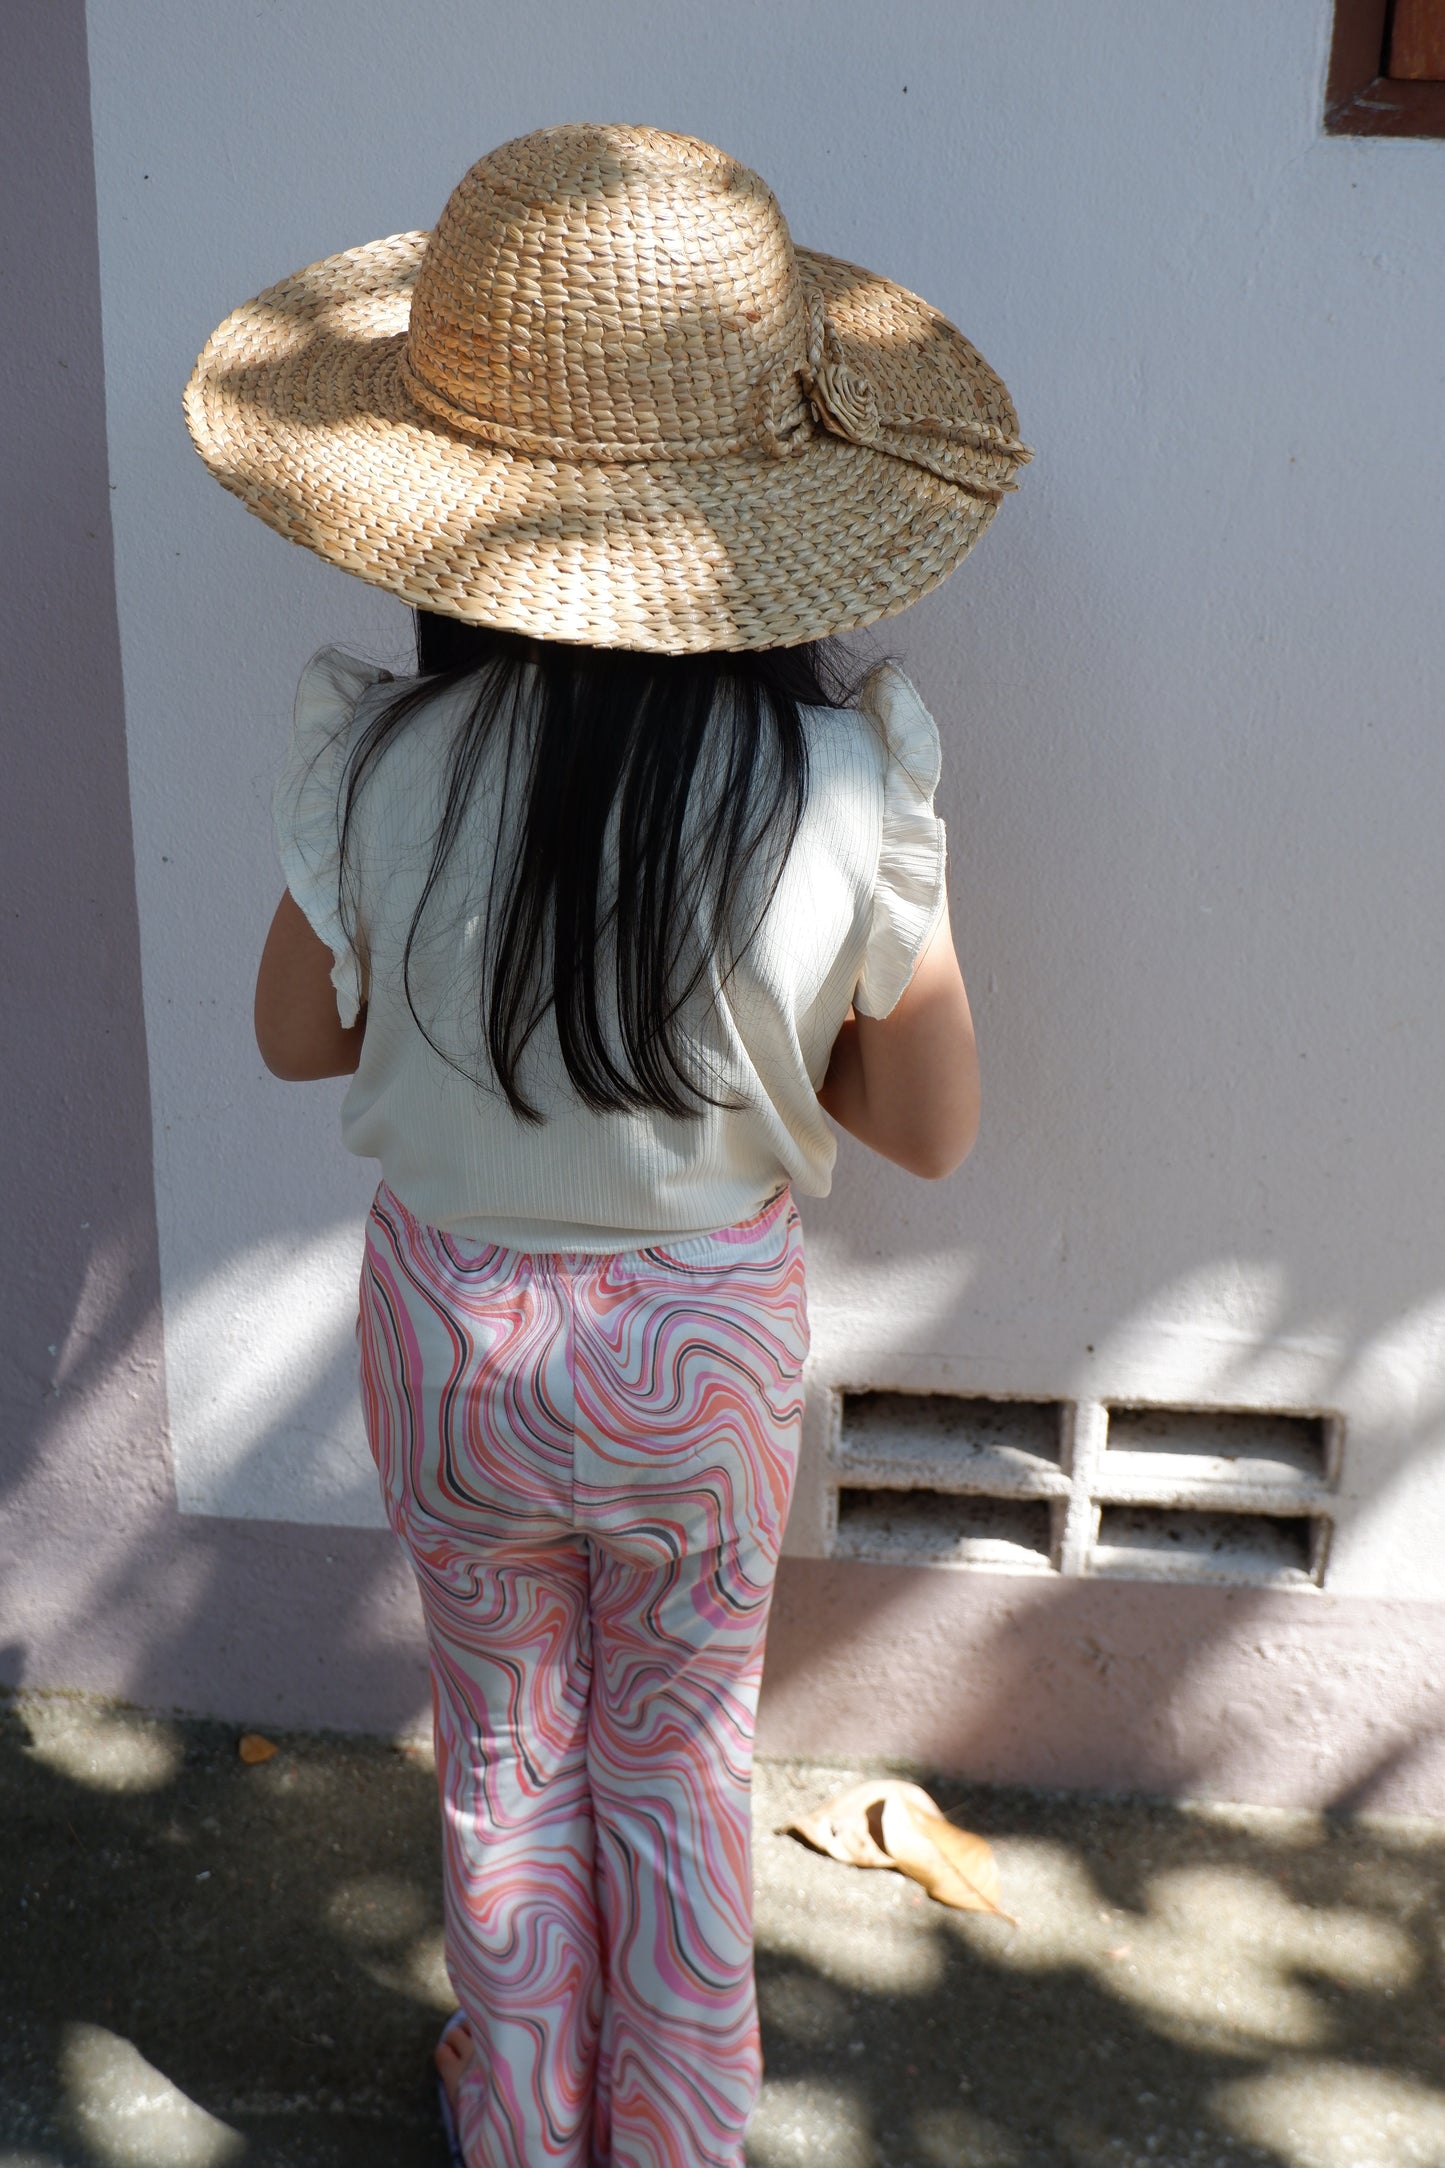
(330, 689)
(888, 728)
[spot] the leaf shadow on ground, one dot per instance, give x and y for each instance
(1201, 1990)
(268, 1938)
(1218, 1989)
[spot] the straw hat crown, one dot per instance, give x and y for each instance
(607, 399)
(610, 294)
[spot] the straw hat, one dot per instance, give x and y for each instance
(607, 400)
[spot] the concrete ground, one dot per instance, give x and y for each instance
(206, 1963)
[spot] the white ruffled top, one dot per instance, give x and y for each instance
(860, 895)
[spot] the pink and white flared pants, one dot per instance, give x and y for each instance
(589, 1459)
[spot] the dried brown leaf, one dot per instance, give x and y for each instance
(849, 1826)
(954, 1866)
(886, 1822)
(253, 1746)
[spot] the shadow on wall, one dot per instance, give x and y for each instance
(110, 1588)
(1191, 1691)
(216, 1964)
(119, 1593)
(275, 1620)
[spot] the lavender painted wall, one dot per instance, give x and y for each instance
(1229, 1249)
(83, 1397)
(105, 1585)
(1218, 1693)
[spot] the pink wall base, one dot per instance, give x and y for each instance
(1263, 1696)
(1204, 1693)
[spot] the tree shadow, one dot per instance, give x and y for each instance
(1207, 1989)
(266, 1937)
(1220, 1988)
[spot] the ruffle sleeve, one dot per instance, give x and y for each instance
(305, 806)
(909, 894)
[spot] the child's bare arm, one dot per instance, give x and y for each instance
(907, 1084)
(300, 1035)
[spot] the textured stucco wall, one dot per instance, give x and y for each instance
(1192, 767)
(1223, 1693)
(104, 1584)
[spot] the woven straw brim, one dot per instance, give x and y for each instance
(298, 406)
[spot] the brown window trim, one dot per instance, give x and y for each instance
(1359, 100)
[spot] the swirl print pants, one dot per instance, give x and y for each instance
(589, 1459)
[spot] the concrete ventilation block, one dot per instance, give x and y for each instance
(1104, 1489)
(929, 1478)
(1215, 1494)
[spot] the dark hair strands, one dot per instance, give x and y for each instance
(651, 800)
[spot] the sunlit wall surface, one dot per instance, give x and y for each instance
(1188, 693)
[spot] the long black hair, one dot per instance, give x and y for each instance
(657, 798)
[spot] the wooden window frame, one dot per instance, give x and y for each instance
(1359, 100)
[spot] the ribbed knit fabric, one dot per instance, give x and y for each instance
(860, 894)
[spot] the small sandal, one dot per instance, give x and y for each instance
(457, 2019)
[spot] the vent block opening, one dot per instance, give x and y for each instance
(923, 1527)
(1222, 1444)
(996, 1448)
(1160, 1543)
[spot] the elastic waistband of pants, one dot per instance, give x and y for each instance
(717, 1246)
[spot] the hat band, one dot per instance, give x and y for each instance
(826, 392)
(575, 451)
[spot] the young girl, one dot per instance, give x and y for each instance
(604, 911)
